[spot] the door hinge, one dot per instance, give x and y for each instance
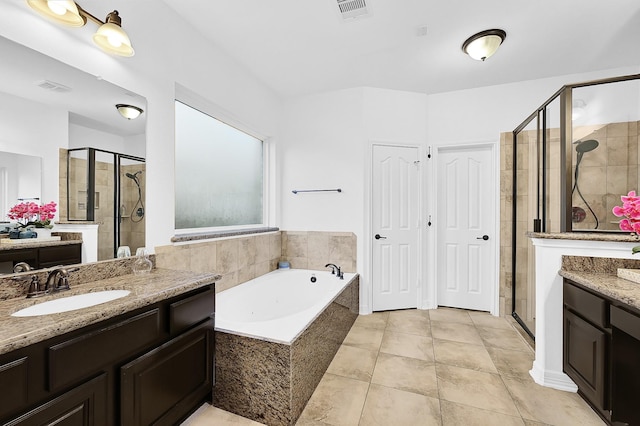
(429, 153)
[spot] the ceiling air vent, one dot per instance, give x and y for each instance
(350, 9)
(52, 86)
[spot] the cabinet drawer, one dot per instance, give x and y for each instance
(59, 255)
(192, 310)
(13, 382)
(625, 321)
(587, 305)
(77, 358)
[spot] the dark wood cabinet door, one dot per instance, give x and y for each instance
(162, 386)
(585, 349)
(85, 405)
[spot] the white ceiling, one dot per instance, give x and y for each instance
(298, 47)
(90, 101)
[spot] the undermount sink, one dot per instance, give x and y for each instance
(71, 303)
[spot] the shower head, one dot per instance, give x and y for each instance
(586, 146)
(133, 176)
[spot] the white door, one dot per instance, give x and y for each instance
(466, 228)
(395, 226)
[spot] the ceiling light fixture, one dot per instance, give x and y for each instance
(110, 36)
(129, 112)
(484, 44)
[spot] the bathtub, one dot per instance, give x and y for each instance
(277, 306)
(275, 337)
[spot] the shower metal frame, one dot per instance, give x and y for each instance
(565, 94)
(91, 187)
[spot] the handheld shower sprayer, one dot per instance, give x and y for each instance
(581, 148)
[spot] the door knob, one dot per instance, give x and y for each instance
(484, 237)
(379, 237)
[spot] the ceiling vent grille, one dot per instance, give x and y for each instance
(350, 9)
(52, 86)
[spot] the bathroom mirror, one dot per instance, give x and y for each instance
(20, 180)
(47, 105)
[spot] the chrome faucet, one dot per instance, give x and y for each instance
(21, 267)
(57, 280)
(335, 270)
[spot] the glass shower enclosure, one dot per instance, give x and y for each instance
(572, 159)
(107, 188)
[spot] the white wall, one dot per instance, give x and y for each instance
(34, 129)
(162, 58)
(325, 143)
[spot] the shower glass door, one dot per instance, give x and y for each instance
(604, 146)
(131, 209)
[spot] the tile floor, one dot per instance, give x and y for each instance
(438, 367)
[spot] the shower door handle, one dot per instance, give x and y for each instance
(484, 237)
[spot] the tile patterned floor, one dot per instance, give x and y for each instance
(438, 367)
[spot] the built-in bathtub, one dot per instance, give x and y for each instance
(275, 337)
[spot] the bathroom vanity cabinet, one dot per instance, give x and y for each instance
(43, 256)
(601, 352)
(150, 365)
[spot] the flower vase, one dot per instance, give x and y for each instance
(43, 233)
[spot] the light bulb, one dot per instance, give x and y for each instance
(57, 7)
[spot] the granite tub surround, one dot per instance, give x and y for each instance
(599, 274)
(145, 289)
(271, 382)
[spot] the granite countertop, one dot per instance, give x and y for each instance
(35, 243)
(607, 284)
(585, 236)
(146, 289)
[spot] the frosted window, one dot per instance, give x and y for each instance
(219, 173)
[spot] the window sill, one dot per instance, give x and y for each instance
(219, 234)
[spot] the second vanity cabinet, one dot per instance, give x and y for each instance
(602, 352)
(153, 365)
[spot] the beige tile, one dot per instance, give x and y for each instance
(485, 319)
(246, 252)
(296, 246)
(475, 388)
(458, 332)
(374, 320)
(464, 355)
(227, 256)
(354, 363)
(411, 321)
(387, 406)
(459, 414)
(409, 345)
(407, 374)
(364, 338)
(203, 257)
(262, 248)
(208, 415)
(450, 315)
(275, 246)
(511, 363)
(505, 339)
(336, 401)
(532, 423)
(550, 406)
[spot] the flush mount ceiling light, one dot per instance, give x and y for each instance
(484, 44)
(129, 112)
(110, 36)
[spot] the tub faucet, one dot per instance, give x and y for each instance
(335, 269)
(57, 280)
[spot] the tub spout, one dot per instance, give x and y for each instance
(335, 270)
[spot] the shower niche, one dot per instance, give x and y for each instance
(107, 188)
(571, 160)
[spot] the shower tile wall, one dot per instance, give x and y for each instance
(241, 259)
(132, 227)
(607, 172)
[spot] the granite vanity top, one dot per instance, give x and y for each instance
(35, 243)
(585, 236)
(146, 289)
(607, 284)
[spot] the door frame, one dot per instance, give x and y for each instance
(432, 243)
(366, 283)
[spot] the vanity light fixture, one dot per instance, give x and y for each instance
(129, 112)
(110, 36)
(484, 44)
